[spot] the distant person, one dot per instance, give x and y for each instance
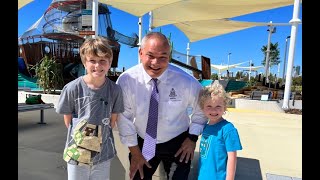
(259, 77)
(278, 85)
(174, 92)
(220, 139)
(90, 105)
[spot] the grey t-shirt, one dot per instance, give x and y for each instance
(95, 106)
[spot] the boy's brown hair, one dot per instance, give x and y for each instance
(98, 46)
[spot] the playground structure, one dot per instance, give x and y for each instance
(63, 27)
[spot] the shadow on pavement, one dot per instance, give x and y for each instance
(246, 169)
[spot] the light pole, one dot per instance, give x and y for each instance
(228, 64)
(271, 30)
(228, 59)
(188, 50)
(284, 60)
(250, 69)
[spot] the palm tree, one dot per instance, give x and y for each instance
(274, 54)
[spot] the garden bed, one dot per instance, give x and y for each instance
(293, 111)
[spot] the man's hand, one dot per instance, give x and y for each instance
(137, 162)
(186, 150)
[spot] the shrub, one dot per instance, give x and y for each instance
(49, 74)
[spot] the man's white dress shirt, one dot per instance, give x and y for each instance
(178, 92)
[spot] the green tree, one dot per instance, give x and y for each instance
(296, 85)
(251, 83)
(274, 54)
(239, 74)
(297, 81)
(214, 76)
(49, 74)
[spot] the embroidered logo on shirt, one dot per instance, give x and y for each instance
(172, 94)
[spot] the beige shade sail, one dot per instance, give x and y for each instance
(202, 19)
(138, 7)
(194, 10)
(199, 30)
(173, 11)
(198, 19)
(22, 3)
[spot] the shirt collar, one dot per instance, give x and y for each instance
(162, 78)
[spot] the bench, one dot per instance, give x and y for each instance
(280, 95)
(256, 95)
(22, 107)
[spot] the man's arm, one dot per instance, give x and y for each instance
(127, 130)
(198, 120)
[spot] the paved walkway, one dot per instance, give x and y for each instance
(40, 148)
(272, 146)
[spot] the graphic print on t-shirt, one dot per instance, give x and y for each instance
(205, 145)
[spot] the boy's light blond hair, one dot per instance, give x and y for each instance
(98, 46)
(215, 89)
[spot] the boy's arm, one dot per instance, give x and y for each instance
(67, 119)
(231, 165)
(114, 118)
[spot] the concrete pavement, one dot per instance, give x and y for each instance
(272, 145)
(40, 148)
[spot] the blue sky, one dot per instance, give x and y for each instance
(244, 45)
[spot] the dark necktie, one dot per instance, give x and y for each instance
(150, 139)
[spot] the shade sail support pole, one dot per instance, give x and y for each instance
(140, 36)
(295, 21)
(95, 17)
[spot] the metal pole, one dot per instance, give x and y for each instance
(250, 69)
(284, 61)
(95, 17)
(294, 28)
(228, 59)
(228, 72)
(188, 50)
(150, 21)
(140, 36)
(278, 73)
(271, 28)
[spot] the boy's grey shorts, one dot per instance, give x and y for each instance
(85, 172)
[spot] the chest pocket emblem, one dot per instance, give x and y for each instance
(172, 94)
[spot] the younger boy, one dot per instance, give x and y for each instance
(220, 139)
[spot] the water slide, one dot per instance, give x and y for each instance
(24, 79)
(26, 82)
